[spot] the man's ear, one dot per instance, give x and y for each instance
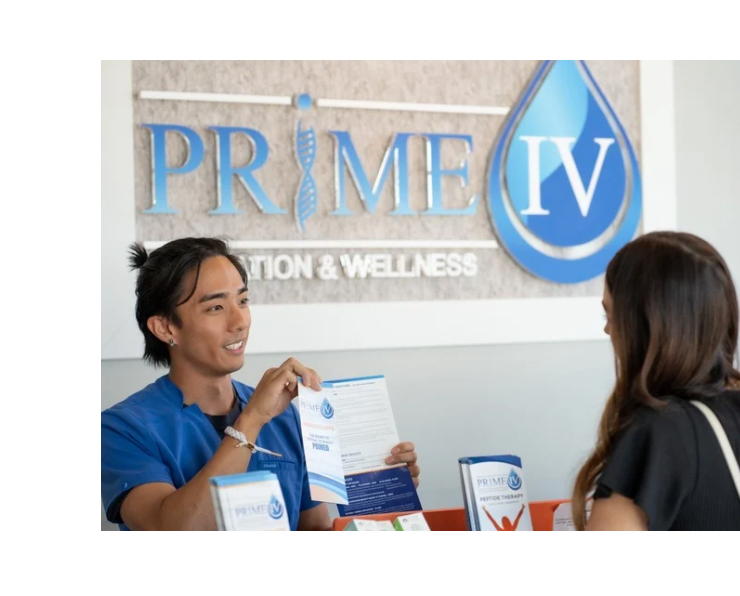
(163, 329)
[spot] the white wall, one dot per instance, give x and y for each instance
(708, 154)
(540, 401)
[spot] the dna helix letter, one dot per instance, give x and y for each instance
(306, 202)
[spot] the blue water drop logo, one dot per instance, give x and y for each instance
(514, 481)
(275, 508)
(326, 410)
(564, 185)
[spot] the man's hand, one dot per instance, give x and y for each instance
(404, 453)
(277, 388)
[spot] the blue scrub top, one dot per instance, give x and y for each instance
(152, 437)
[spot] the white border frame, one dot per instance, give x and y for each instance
(355, 326)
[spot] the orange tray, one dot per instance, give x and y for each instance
(447, 520)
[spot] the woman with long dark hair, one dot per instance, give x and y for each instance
(672, 315)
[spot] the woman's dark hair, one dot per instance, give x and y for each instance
(674, 327)
(160, 283)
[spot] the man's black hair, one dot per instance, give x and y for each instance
(160, 284)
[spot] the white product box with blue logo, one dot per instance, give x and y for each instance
(250, 501)
(494, 493)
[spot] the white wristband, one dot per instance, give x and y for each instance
(244, 442)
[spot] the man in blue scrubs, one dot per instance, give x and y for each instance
(161, 445)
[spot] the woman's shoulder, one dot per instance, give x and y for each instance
(672, 414)
(677, 417)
